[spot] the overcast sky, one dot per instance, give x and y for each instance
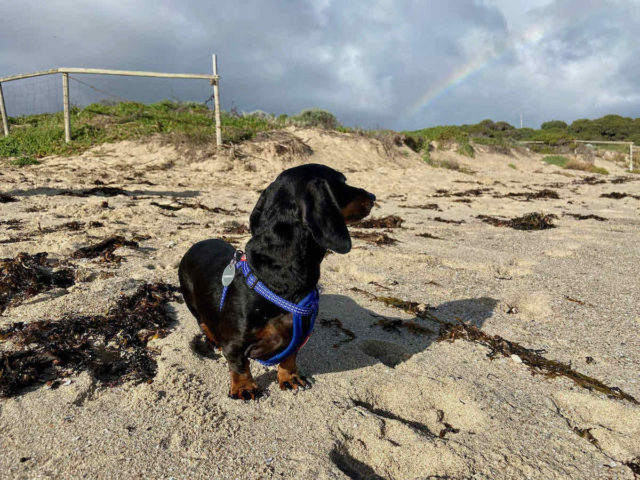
(392, 63)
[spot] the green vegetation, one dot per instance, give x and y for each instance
(315, 118)
(571, 164)
(511, 165)
(190, 123)
(187, 122)
(557, 160)
(23, 161)
(41, 135)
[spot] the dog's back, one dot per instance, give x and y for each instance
(200, 275)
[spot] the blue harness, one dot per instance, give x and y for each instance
(307, 307)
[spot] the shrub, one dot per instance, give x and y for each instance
(23, 161)
(315, 118)
(554, 125)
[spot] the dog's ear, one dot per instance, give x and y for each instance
(321, 214)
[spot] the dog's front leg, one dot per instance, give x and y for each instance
(243, 386)
(288, 376)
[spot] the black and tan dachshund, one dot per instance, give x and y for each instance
(299, 216)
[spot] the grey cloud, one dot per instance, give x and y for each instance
(367, 62)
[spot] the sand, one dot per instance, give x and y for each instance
(382, 398)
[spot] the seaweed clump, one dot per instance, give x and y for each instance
(377, 238)
(530, 221)
(545, 193)
(112, 347)
(579, 216)
(4, 198)
(531, 358)
(390, 221)
(420, 310)
(27, 275)
(105, 249)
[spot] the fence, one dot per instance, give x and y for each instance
(631, 147)
(213, 79)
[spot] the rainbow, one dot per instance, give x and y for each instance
(529, 37)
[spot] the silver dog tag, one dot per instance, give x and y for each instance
(228, 274)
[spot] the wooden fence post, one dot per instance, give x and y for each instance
(216, 101)
(5, 122)
(65, 99)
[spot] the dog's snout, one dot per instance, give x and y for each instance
(372, 196)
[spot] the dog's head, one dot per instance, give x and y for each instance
(319, 198)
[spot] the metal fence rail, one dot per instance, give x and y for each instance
(214, 79)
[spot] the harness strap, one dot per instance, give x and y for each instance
(307, 307)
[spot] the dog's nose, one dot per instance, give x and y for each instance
(372, 196)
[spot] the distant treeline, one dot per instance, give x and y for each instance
(555, 132)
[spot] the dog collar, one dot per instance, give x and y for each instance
(307, 307)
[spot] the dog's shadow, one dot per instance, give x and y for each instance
(348, 336)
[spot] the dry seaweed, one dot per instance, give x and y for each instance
(545, 193)
(587, 435)
(428, 235)
(474, 192)
(593, 180)
(614, 195)
(390, 221)
(586, 217)
(4, 198)
(180, 205)
(105, 249)
(618, 180)
(634, 465)
(395, 324)
(378, 285)
(530, 221)
(619, 195)
(334, 322)
(427, 206)
(532, 358)
(236, 228)
(166, 207)
(27, 275)
(112, 347)
(444, 220)
(420, 310)
(13, 224)
(377, 238)
(447, 426)
(96, 191)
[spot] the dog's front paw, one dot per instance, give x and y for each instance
(245, 391)
(292, 381)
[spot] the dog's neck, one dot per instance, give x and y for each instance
(290, 267)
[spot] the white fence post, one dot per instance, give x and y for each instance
(216, 101)
(5, 123)
(65, 99)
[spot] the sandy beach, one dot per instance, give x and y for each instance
(399, 392)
